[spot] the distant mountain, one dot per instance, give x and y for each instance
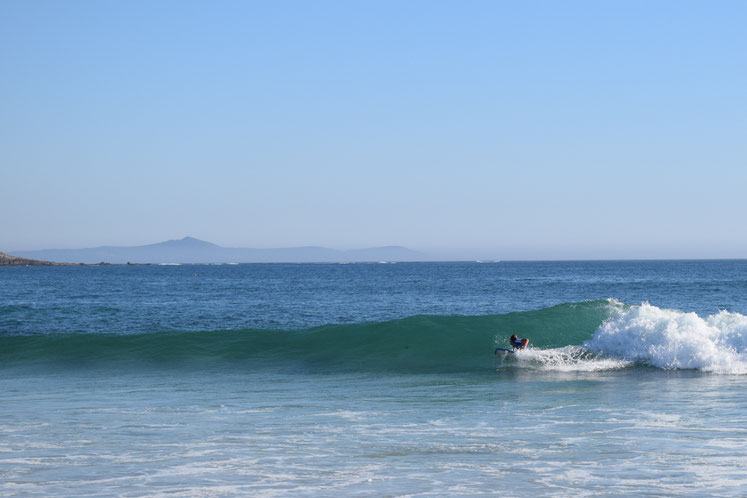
(191, 250)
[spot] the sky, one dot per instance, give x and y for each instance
(505, 130)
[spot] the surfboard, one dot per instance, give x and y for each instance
(503, 353)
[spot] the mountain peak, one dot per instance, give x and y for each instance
(187, 242)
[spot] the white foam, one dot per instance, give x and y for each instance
(567, 359)
(673, 339)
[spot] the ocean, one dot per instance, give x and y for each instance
(374, 379)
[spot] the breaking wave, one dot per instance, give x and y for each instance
(672, 339)
(586, 336)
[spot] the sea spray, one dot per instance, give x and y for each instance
(565, 359)
(672, 339)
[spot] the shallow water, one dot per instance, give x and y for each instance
(121, 397)
(515, 432)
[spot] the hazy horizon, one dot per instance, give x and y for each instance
(478, 130)
(427, 255)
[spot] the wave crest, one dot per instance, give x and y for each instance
(673, 339)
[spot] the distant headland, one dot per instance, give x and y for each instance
(191, 250)
(8, 260)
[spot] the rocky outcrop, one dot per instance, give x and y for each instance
(8, 260)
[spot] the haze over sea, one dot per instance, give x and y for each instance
(374, 379)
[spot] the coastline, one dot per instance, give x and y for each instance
(8, 260)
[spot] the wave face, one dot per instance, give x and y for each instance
(587, 336)
(417, 343)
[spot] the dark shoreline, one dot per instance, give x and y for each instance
(8, 260)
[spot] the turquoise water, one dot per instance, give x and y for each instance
(374, 379)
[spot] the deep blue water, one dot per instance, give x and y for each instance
(125, 299)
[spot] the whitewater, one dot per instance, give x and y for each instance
(373, 379)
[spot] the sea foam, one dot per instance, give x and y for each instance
(568, 359)
(674, 339)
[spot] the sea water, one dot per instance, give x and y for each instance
(374, 379)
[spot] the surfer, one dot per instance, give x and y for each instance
(517, 343)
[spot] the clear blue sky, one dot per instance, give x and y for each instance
(599, 129)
